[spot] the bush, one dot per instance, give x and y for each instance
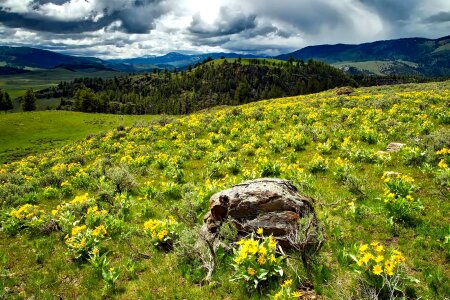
(381, 271)
(162, 232)
(256, 262)
(401, 205)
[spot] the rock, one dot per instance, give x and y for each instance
(345, 90)
(394, 147)
(272, 204)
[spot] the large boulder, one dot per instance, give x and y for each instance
(272, 204)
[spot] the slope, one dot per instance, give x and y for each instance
(77, 213)
(429, 57)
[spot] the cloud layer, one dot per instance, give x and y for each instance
(126, 28)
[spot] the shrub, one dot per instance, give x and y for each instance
(400, 203)
(122, 179)
(318, 164)
(162, 232)
(256, 262)
(413, 156)
(268, 168)
(381, 271)
(26, 216)
(83, 240)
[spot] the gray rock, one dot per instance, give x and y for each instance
(272, 204)
(394, 147)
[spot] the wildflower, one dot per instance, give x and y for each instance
(162, 234)
(377, 270)
(78, 229)
(95, 251)
(363, 248)
(379, 248)
(389, 267)
(286, 283)
(261, 260)
(367, 257)
(259, 231)
(272, 258)
(251, 271)
(272, 243)
(99, 230)
(296, 294)
(379, 258)
(442, 164)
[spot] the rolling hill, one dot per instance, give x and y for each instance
(408, 56)
(26, 57)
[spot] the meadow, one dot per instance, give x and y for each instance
(117, 214)
(27, 133)
(17, 84)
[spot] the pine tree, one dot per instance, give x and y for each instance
(29, 100)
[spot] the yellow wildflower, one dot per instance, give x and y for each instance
(442, 164)
(296, 294)
(377, 270)
(99, 230)
(286, 283)
(251, 271)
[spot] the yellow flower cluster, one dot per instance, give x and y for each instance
(255, 250)
(81, 199)
(26, 211)
(94, 211)
(161, 230)
(286, 292)
(374, 259)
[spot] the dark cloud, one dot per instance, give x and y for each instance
(441, 17)
(228, 22)
(137, 17)
(138, 27)
(393, 10)
(33, 22)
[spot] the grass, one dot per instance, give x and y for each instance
(152, 171)
(376, 66)
(17, 84)
(34, 132)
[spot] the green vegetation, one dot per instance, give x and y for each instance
(118, 214)
(17, 84)
(405, 57)
(205, 86)
(29, 101)
(33, 132)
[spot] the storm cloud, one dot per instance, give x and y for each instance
(124, 28)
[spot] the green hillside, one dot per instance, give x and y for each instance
(117, 215)
(34, 132)
(17, 84)
(407, 56)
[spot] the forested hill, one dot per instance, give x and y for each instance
(208, 85)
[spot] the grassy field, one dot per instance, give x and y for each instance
(16, 84)
(96, 218)
(377, 67)
(33, 132)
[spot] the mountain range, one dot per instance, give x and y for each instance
(407, 56)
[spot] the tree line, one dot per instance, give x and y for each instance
(209, 84)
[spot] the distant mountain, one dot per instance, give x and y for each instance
(174, 60)
(24, 57)
(408, 56)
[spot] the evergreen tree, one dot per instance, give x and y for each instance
(29, 100)
(5, 101)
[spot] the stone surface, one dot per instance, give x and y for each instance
(394, 147)
(272, 204)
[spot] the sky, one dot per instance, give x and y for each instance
(132, 28)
